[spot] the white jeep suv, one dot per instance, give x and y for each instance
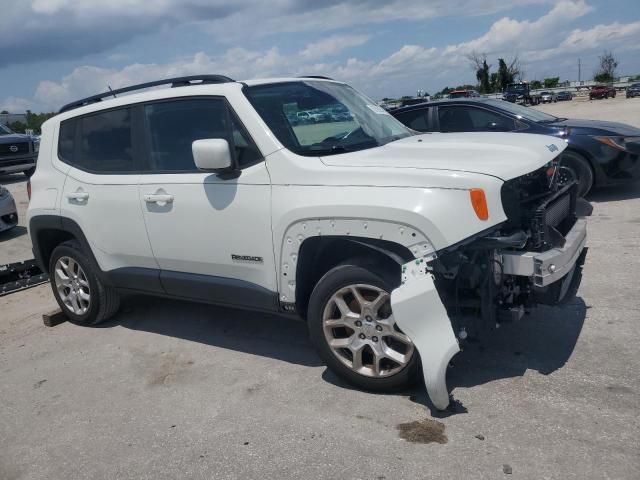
(393, 246)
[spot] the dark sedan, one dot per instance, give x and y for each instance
(599, 153)
(565, 95)
(633, 90)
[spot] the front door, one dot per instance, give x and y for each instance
(210, 233)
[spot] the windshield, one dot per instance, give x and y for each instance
(323, 118)
(516, 87)
(4, 130)
(528, 113)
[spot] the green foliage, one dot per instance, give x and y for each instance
(551, 82)
(482, 74)
(35, 120)
(607, 71)
(603, 77)
(535, 84)
(17, 127)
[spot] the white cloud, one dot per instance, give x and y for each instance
(543, 43)
(15, 105)
(332, 45)
(68, 29)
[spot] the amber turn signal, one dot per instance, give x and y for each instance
(479, 203)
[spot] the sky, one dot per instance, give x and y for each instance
(56, 51)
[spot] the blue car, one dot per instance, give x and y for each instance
(599, 152)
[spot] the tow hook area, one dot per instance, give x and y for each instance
(419, 312)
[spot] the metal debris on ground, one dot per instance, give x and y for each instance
(20, 275)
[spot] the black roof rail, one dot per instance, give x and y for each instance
(321, 77)
(175, 82)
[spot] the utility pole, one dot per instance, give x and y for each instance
(579, 71)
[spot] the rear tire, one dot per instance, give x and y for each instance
(580, 168)
(358, 353)
(83, 298)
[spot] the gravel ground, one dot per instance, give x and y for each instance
(176, 390)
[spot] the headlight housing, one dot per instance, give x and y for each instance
(624, 144)
(3, 192)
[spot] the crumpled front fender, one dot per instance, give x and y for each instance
(419, 312)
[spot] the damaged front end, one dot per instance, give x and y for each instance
(468, 289)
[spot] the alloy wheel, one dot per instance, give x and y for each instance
(360, 329)
(72, 285)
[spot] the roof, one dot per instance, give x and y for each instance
(206, 85)
(443, 101)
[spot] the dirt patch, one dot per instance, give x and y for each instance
(424, 431)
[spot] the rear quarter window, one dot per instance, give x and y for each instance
(99, 143)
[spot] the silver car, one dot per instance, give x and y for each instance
(8, 211)
(548, 97)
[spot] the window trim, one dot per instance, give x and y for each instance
(481, 107)
(139, 130)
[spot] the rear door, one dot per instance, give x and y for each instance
(210, 233)
(101, 189)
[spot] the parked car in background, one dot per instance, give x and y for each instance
(599, 153)
(18, 152)
(564, 95)
(520, 93)
(633, 90)
(601, 91)
(8, 210)
(463, 94)
(548, 97)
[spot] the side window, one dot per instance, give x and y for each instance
(415, 119)
(472, 119)
(486, 121)
(67, 141)
(174, 125)
(105, 142)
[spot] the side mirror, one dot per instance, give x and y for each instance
(212, 154)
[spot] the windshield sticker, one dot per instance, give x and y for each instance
(377, 109)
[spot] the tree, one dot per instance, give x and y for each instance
(536, 84)
(608, 65)
(3, 112)
(551, 82)
(481, 68)
(493, 81)
(17, 127)
(507, 73)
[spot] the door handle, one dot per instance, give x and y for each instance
(158, 198)
(80, 196)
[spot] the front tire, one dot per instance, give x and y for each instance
(83, 298)
(581, 170)
(352, 327)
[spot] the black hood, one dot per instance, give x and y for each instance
(597, 127)
(14, 138)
